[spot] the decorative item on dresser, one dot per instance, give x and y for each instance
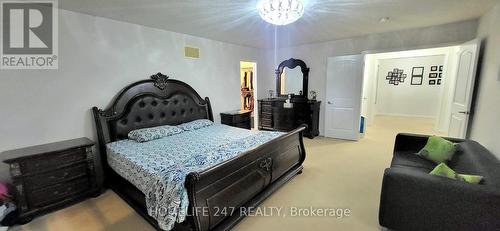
(51, 176)
(237, 118)
(291, 108)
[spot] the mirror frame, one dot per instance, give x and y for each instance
(292, 63)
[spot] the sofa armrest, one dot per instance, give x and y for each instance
(415, 142)
(415, 200)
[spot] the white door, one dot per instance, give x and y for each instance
(344, 85)
(462, 98)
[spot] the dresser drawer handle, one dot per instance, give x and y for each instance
(65, 174)
(68, 189)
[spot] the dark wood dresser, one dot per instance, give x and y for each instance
(51, 176)
(237, 118)
(273, 116)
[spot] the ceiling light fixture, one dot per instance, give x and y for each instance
(280, 12)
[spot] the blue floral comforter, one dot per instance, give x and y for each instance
(159, 167)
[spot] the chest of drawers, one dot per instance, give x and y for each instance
(51, 176)
(275, 117)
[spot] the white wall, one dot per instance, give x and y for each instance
(405, 99)
(315, 55)
(486, 123)
(98, 57)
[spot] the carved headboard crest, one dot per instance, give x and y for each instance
(160, 80)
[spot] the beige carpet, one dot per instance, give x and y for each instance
(337, 174)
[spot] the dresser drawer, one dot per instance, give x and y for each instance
(267, 108)
(57, 192)
(52, 161)
(57, 176)
(268, 123)
(266, 102)
(266, 117)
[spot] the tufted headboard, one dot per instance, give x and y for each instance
(148, 103)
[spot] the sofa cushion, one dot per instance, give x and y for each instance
(438, 150)
(409, 159)
(473, 158)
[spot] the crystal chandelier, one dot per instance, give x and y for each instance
(280, 12)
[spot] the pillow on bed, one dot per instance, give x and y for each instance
(195, 124)
(147, 134)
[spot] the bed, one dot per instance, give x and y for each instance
(240, 167)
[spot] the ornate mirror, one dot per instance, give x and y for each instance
(292, 78)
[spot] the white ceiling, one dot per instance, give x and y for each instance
(237, 21)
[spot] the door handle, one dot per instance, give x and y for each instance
(330, 102)
(464, 112)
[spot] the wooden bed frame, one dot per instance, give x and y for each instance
(241, 182)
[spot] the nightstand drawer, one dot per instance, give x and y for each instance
(57, 192)
(227, 118)
(236, 119)
(51, 161)
(245, 125)
(57, 176)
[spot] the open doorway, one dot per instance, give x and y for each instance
(435, 86)
(248, 80)
(418, 89)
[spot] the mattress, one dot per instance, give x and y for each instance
(158, 168)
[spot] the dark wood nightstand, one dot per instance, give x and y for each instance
(51, 176)
(238, 118)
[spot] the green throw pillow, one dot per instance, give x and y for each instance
(437, 150)
(445, 171)
(473, 179)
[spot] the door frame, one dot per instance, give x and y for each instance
(255, 90)
(441, 121)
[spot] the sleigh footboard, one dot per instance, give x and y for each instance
(219, 196)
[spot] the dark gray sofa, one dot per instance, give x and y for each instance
(412, 199)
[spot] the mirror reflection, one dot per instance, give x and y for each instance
(291, 81)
